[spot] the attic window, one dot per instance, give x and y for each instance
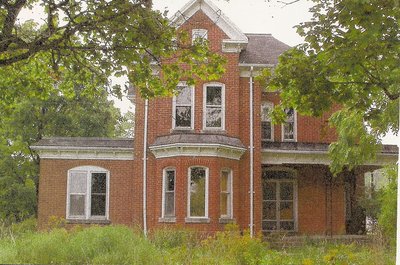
(200, 34)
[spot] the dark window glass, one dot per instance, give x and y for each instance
(197, 192)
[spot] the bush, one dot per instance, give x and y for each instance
(388, 215)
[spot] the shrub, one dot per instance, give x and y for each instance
(166, 238)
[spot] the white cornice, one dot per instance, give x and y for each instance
(278, 157)
(87, 153)
(214, 13)
(209, 150)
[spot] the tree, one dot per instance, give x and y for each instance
(43, 106)
(118, 37)
(350, 59)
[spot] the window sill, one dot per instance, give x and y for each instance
(216, 130)
(226, 220)
(88, 221)
(197, 220)
(167, 219)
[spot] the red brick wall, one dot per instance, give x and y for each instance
(53, 188)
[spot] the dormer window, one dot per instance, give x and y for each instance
(183, 109)
(201, 34)
(289, 128)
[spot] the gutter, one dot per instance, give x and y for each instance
(251, 156)
(146, 106)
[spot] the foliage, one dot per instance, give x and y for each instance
(123, 245)
(101, 38)
(349, 60)
(388, 200)
(40, 108)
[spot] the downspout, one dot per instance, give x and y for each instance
(146, 106)
(398, 203)
(251, 157)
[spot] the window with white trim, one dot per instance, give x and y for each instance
(199, 35)
(183, 107)
(279, 201)
(289, 128)
(267, 128)
(214, 106)
(87, 193)
(226, 194)
(198, 192)
(168, 197)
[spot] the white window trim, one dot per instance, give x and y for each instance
(201, 32)
(183, 83)
(295, 195)
(222, 106)
(206, 194)
(164, 190)
(88, 170)
(271, 105)
(294, 129)
(230, 183)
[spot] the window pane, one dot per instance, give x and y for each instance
(288, 130)
(213, 117)
(266, 132)
(185, 95)
(77, 182)
(286, 211)
(288, 226)
(183, 116)
(99, 183)
(98, 207)
(289, 115)
(269, 191)
(170, 180)
(214, 95)
(77, 205)
(224, 204)
(269, 225)
(286, 191)
(197, 191)
(224, 180)
(269, 210)
(266, 108)
(169, 204)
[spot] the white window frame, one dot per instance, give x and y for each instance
(295, 198)
(229, 192)
(89, 170)
(174, 127)
(203, 33)
(206, 193)
(270, 105)
(164, 186)
(294, 129)
(213, 84)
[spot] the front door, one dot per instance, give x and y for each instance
(279, 201)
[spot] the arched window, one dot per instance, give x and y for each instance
(198, 192)
(267, 128)
(214, 106)
(88, 193)
(279, 200)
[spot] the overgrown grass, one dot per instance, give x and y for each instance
(123, 245)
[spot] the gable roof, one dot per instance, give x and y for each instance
(214, 13)
(262, 49)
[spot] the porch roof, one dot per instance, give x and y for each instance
(315, 153)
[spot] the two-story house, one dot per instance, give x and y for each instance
(209, 155)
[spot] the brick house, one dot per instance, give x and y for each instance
(208, 156)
